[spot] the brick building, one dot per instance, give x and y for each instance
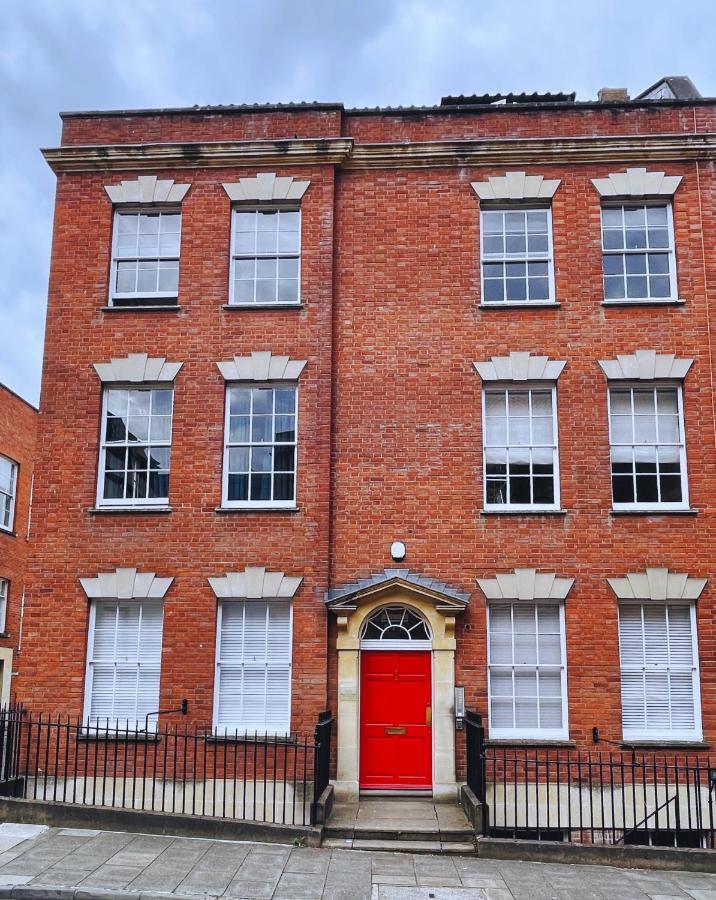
(18, 431)
(352, 408)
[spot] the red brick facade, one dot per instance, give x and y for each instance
(390, 439)
(18, 431)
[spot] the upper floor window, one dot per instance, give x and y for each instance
(8, 491)
(260, 446)
(648, 453)
(265, 256)
(4, 590)
(638, 252)
(145, 258)
(135, 447)
(659, 671)
(517, 255)
(520, 447)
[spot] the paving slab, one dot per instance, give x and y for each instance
(308, 861)
(397, 893)
(214, 872)
(296, 886)
(111, 876)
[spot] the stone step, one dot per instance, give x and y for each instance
(384, 833)
(455, 848)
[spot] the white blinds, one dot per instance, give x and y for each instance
(124, 661)
(253, 667)
(527, 677)
(659, 671)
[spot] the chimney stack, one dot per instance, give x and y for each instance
(613, 95)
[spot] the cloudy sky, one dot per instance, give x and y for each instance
(93, 54)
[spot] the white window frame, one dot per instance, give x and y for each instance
(661, 734)
(130, 502)
(225, 728)
(257, 504)
(670, 251)
(141, 298)
(655, 386)
(10, 498)
(530, 733)
(4, 594)
(530, 386)
(87, 707)
(234, 257)
(507, 258)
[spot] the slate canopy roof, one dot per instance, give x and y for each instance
(447, 599)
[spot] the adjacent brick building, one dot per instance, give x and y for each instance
(18, 432)
(277, 340)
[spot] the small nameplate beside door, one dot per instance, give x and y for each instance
(400, 730)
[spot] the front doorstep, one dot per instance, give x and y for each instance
(106, 818)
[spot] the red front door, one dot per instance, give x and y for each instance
(395, 720)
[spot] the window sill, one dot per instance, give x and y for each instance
(8, 532)
(122, 510)
(658, 745)
(528, 742)
(142, 307)
(546, 304)
(257, 509)
(263, 306)
(654, 512)
(523, 512)
(669, 302)
(250, 739)
(133, 737)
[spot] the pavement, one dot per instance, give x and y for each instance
(40, 863)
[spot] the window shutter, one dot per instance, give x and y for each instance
(658, 670)
(254, 666)
(125, 662)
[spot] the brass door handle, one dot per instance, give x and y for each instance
(428, 715)
(400, 730)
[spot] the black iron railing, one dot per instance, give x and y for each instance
(173, 770)
(598, 797)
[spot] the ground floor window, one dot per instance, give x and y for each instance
(253, 667)
(659, 671)
(527, 673)
(123, 663)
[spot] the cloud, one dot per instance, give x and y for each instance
(88, 54)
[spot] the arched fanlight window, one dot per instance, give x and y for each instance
(393, 624)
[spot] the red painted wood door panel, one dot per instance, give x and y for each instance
(395, 720)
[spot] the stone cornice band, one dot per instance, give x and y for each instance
(416, 154)
(255, 583)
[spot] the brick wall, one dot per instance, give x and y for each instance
(18, 428)
(390, 327)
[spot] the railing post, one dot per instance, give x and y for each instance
(476, 768)
(321, 759)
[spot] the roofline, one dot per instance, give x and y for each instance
(229, 109)
(248, 109)
(17, 396)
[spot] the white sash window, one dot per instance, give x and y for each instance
(527, 670)
(659, 671)
(123, 663)
(8, 489)
(253, 667)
